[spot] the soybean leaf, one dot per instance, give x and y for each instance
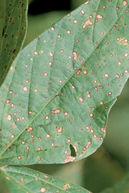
(55, 101)
(122, 186)
(23, 180)
(95, 173)
(12, 32)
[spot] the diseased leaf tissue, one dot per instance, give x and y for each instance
(23, 180)
(61, 87)
(57, 95)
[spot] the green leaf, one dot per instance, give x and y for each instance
(95, 173)
(122, 186)
(13, 21)
(23, 180)
(55, 101)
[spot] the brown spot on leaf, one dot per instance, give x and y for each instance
(87, 23)
(69, 158)
(75, 56)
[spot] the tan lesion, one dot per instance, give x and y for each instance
(66, 187)
(87, 23)
(123, 41)
(55, 111)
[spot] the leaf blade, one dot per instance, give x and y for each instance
(24, 179)
(69, 112)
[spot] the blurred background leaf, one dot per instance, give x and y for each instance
(117, 139)
(120, 187)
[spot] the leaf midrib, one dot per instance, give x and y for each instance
(60, 87)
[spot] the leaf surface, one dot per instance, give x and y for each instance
(122, 186)
(13, 20)
(55, 101)
(23, 180)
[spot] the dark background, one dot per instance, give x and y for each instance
(41, 6)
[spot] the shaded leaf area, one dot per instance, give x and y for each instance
(122, 186)
(61, 87)
(3, 185)
(23, 180)
(13, 19)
